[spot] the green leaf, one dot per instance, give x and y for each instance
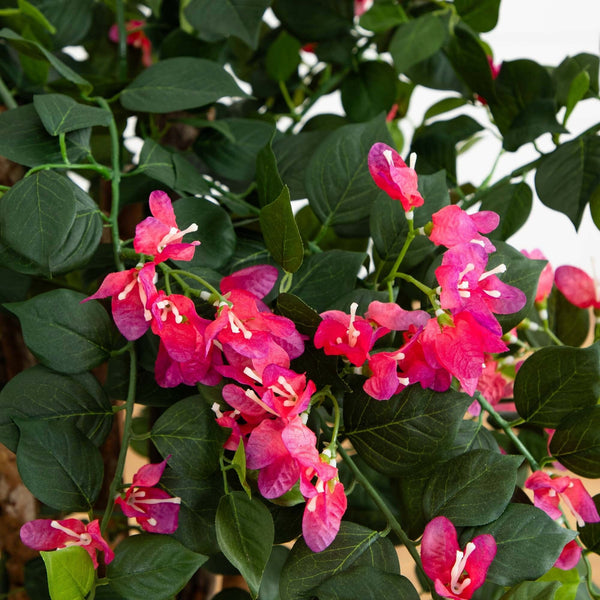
(409, 433)
(63, 333)
(528, 543)
(235, 160)
(216, 20)
(416, 40)
(338, 183)
(269, 586)
(189, 432)
(281, 234)
(325, 277)
(556, 381)
(305, 318)
(576, 442)
(71, 573)
(532, 590)
(570, 323)
(215, 232)
(36, 15)
(239, 466)
(383, 17)
(589, 534)
(481, 15)
(43, 395)
(61, 114)
(568, 178)
(188, 177)
(232, 594)
(24, 139)
(354, 546)
(37, 51)
(59, 465)
(472, 489)
(444, 105)
(72, 21)
(512, 201)
(569, 582)
(151, 566)
(178, 84)
(369, 91)
(156, 162)
(268, 180)
(50, 221)
(245, 534)
(578, 89)
(283, 57)
(570, 68)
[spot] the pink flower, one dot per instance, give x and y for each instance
(453, 226)
(456, 573)
(493, 387)
(154, 509)
(393, 317)
(130, 291)
(393, 176)
(340, 334)
(47, 534)
(578, 287)
(546, 276)
(549, 491)
(258, 280)
(569, 557)
(361, 6)
(159, 235)
(137, 38)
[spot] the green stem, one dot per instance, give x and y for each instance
(588, 580)
(197, 278)
(6, 96)
(120, 10)
(505, 425)
(391, 519)
(288, 100)
(407, 242)
(106, 173)
(63, 149)
(129, 404)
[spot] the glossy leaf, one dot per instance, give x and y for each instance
(283, 57)
(528, 543)
(481, 15)
(569, 69)
(50, 221)
(513, 202)
(576, 442)
(59, 465)
(55, 320)
(189, 432)
(268, 181)
(41, 394)
(533, 590)
(557, 381)
(151, 566)
(178, 84)
(472, 489)
(245, 535)
(354, 546)
(410, 432)
(338, 183)
(61, 114)
(71, 573)
(383, 16)
(269, 586)
(156, 162)
(589, 534)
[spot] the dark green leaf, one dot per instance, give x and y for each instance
(481, 15)
(283, 57)
(576, 442)
(528, 543)
(532, 590)
(268, 180)
(512, 201)
(590, 533)
(215, 232)
(71, 573)
(189, 432)
(305, 318)
(151, 566)
(444, 105)
(568, 179)
(409, 501)
(49, 220)
(61, 114)
(383, 17)
(72, 20)
(187, 177)
(579, 87)
(369, 91)
(338, 183)
(472, 489)
(556, 381)
(281, 234)
(269, 586)
(570, 68)
(235, 160)
(177, 84)
(473, 436)
(156, 162)
(65, 334)
(216, 20)
(245, 535)
(437, 72)
(570, 323)
(410, 432)
(232, 594)
(40, 394)
(416, 40)
(59, 465)
(24, 139)
(326, 276)
(354, 546)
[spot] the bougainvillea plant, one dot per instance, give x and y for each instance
(322, 350)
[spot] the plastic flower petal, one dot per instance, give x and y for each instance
(153, 508)
(393, 176)
(136, 38)
(456, 573)
(546, 276)
(258, 280)
(453, 226)
(578, 287)
(569, 557)
(48, 534)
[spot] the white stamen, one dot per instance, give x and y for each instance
(352, 332)
(470, 267)
(578, 517)
(175, 235)
(152, 522)
(311, 505)
(543, 314)
(281, 380)
(479, 242)
(217, 410)
(83, 539)
(175, 500)
(252, 374)
(320, 487)
(552, 493)
(459, 567)
(338, 340)
(387, 154)
(403, 380)
(412, 160)
(123, 294)
(237, 326)
(304, 418)
(493, 293)
(410, 215)
(464, 294)
(501, 268)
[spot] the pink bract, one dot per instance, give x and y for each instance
(578, 287)
(569, 557)
(456, 573)
(393, 176)
(258, 280)
(136, 38)
(546, 280)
